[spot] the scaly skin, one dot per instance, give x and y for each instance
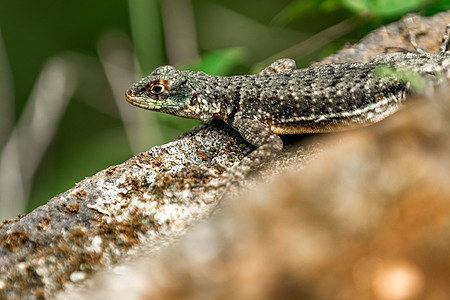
(284, 100)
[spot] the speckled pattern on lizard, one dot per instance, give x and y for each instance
(284, 100)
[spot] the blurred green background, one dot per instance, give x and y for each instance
(64, 68)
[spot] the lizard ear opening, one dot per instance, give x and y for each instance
(194, 99)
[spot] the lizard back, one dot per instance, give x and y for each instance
(332, 97)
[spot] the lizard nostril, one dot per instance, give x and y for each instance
(130, 92)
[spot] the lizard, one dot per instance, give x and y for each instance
(284, 100)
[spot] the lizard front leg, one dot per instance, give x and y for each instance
(259, 134)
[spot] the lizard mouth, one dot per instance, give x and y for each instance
(137, 101)
(143, 102)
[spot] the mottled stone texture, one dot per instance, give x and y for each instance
(371, 209)
(137, 206)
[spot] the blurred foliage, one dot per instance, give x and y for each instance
(231, 37)
(383, 8)
(219, 62)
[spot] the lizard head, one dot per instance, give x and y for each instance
(166, 90)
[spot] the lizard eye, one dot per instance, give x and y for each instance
(157, 89)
